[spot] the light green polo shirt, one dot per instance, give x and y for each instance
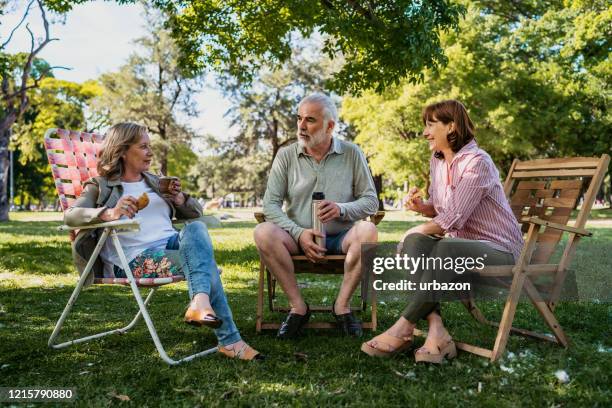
(343, 175)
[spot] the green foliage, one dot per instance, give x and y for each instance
(380, 42)
(181, 161)
(534, 75)
(153, 90)
(263, 113)
(53, 104)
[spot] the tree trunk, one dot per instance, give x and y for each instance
(4, 173)
(274, 138)
(378, 184)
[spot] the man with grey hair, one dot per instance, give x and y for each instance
(319, 162)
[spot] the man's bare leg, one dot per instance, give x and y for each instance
(361, 232)
(275, 247)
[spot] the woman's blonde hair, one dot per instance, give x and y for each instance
(117, 141)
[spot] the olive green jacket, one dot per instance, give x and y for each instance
(98, 194)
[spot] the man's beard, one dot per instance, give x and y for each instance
(315, 139)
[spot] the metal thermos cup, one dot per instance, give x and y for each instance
(317, 225)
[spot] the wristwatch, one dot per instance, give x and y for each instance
(342, 211)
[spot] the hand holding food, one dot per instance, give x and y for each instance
(142, 201)
(413, 200)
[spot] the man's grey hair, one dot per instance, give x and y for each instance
(329, 107)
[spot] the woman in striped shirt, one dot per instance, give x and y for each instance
(469, 210)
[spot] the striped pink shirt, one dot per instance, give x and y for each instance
(471, 204)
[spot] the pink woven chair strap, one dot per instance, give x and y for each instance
(141, 281)
(73, 157)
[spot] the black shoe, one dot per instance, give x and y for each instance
(347, 323)
(292, 326)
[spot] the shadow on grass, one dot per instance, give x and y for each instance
(44, 228)
(38, 258)
(322, 366)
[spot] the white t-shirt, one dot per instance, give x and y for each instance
(155, 228)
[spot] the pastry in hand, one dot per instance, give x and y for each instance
(407, 202)
(142, 201)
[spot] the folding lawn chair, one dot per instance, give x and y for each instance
(542, 195)
(333, 264)
(73, 156)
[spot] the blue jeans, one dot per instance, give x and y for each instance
(200, 269)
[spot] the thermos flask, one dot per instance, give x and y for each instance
(317, 225)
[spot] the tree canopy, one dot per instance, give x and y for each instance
(380, 42)
(534, 76)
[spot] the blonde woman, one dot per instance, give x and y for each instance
(123, 167)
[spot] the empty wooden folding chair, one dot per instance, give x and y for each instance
(333, 265)
(542, 195)
(73, 158)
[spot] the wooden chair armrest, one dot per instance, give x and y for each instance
(118, 224)
(561, 227)
(260, 217)
(376, 218)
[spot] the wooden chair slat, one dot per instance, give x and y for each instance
(562, 211)
(530, 185)
(559, 202)
(554, 173)
(550, 235)
(563, 184)
(566, 163)
(544, 193)
(568, 193)
(524, 201)
(559, 219)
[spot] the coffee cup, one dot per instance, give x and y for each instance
(164, 183)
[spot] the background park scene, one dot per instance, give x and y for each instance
(217, 85)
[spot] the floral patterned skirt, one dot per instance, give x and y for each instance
(153, 263)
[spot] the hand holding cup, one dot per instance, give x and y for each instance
(170, 187)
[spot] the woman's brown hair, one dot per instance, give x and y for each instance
(117, 141)
(446, 112)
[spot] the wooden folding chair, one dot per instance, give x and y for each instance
(333, 264)
(542, 195)
(73, 158)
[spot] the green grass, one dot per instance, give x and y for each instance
(37, 277)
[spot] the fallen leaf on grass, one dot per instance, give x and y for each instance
(300, 356)
(120, 397)
(185, 390)
(409, 374)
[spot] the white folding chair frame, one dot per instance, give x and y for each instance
(112, 229)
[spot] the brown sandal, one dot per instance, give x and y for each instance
(246, 352)
(448, 350)
(392, 345)
(200, 318)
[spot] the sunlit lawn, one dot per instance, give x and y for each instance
(37, 277)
